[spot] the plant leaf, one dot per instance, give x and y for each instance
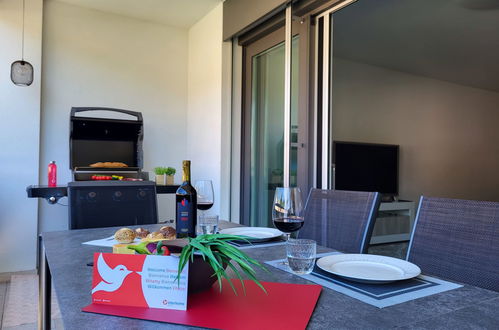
(236, 271)
(205, 250)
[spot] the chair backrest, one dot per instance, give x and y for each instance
(457, 240)
(341, 220)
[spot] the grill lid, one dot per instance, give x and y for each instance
(95, 140)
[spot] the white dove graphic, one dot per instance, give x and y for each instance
(112, 277)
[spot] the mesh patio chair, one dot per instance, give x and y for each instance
(341, 220)
(457, 240)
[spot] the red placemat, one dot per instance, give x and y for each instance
(287, 306)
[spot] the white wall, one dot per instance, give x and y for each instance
(19, 135)
(448, 133)
(91, 58)
(204, 114)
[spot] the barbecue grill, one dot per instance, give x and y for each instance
(112, 202)
(91, 203)
(95, 140)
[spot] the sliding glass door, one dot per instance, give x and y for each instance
(286, 109)
(264, 125)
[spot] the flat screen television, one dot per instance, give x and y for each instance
(366, 167)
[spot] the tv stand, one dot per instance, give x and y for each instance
(392, 216)
(388, 199)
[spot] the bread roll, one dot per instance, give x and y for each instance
(165, 232)
(141, 232)
(124, 235)
(154, 235)
(168, 232)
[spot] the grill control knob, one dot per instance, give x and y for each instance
(117, 195)
(91, 197)
(141, 194)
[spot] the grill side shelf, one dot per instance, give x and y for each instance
(53, 194)
(166, 189)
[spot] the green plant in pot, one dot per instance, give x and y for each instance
(170, 173)
(160, 175)
(208, 257)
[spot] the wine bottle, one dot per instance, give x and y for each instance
(186, 208)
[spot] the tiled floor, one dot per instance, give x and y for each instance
(397, 250)
(26, 318)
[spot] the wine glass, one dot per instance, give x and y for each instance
(205, 199)
(287, 210)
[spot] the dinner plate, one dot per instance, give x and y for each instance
(368, 268)
(257, 233)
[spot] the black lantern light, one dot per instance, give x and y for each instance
(21, 72)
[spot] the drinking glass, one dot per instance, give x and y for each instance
(287, 210)
(208, 224)
(301, 255)
(205, 199)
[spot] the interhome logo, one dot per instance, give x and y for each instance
(112, 278)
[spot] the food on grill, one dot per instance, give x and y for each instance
(141, 232)
(125, 235)
(101, 177)
(106, 177)
(109, 164)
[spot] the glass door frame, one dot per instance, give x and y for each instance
(323, 169)
(271, 35)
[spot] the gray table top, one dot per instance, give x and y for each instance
(467, 307)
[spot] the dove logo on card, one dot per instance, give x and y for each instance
(112, 278)
(139, 280)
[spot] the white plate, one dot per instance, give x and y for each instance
(368, 268)
(259, 233)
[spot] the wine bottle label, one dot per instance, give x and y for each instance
(184, 216)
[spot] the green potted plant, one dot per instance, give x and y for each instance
(160, 175)
(170, 174)
(208, 257)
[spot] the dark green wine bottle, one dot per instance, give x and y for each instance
(185, 201)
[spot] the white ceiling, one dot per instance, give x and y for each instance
(451, 40)
(178, 13)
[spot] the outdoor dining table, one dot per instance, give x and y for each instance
(64, 260)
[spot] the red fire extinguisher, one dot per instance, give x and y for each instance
(52, 174)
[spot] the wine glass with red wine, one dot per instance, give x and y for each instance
(205, 199)
(287, 210)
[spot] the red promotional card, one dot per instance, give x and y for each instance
(139, 281)
(286, 306)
